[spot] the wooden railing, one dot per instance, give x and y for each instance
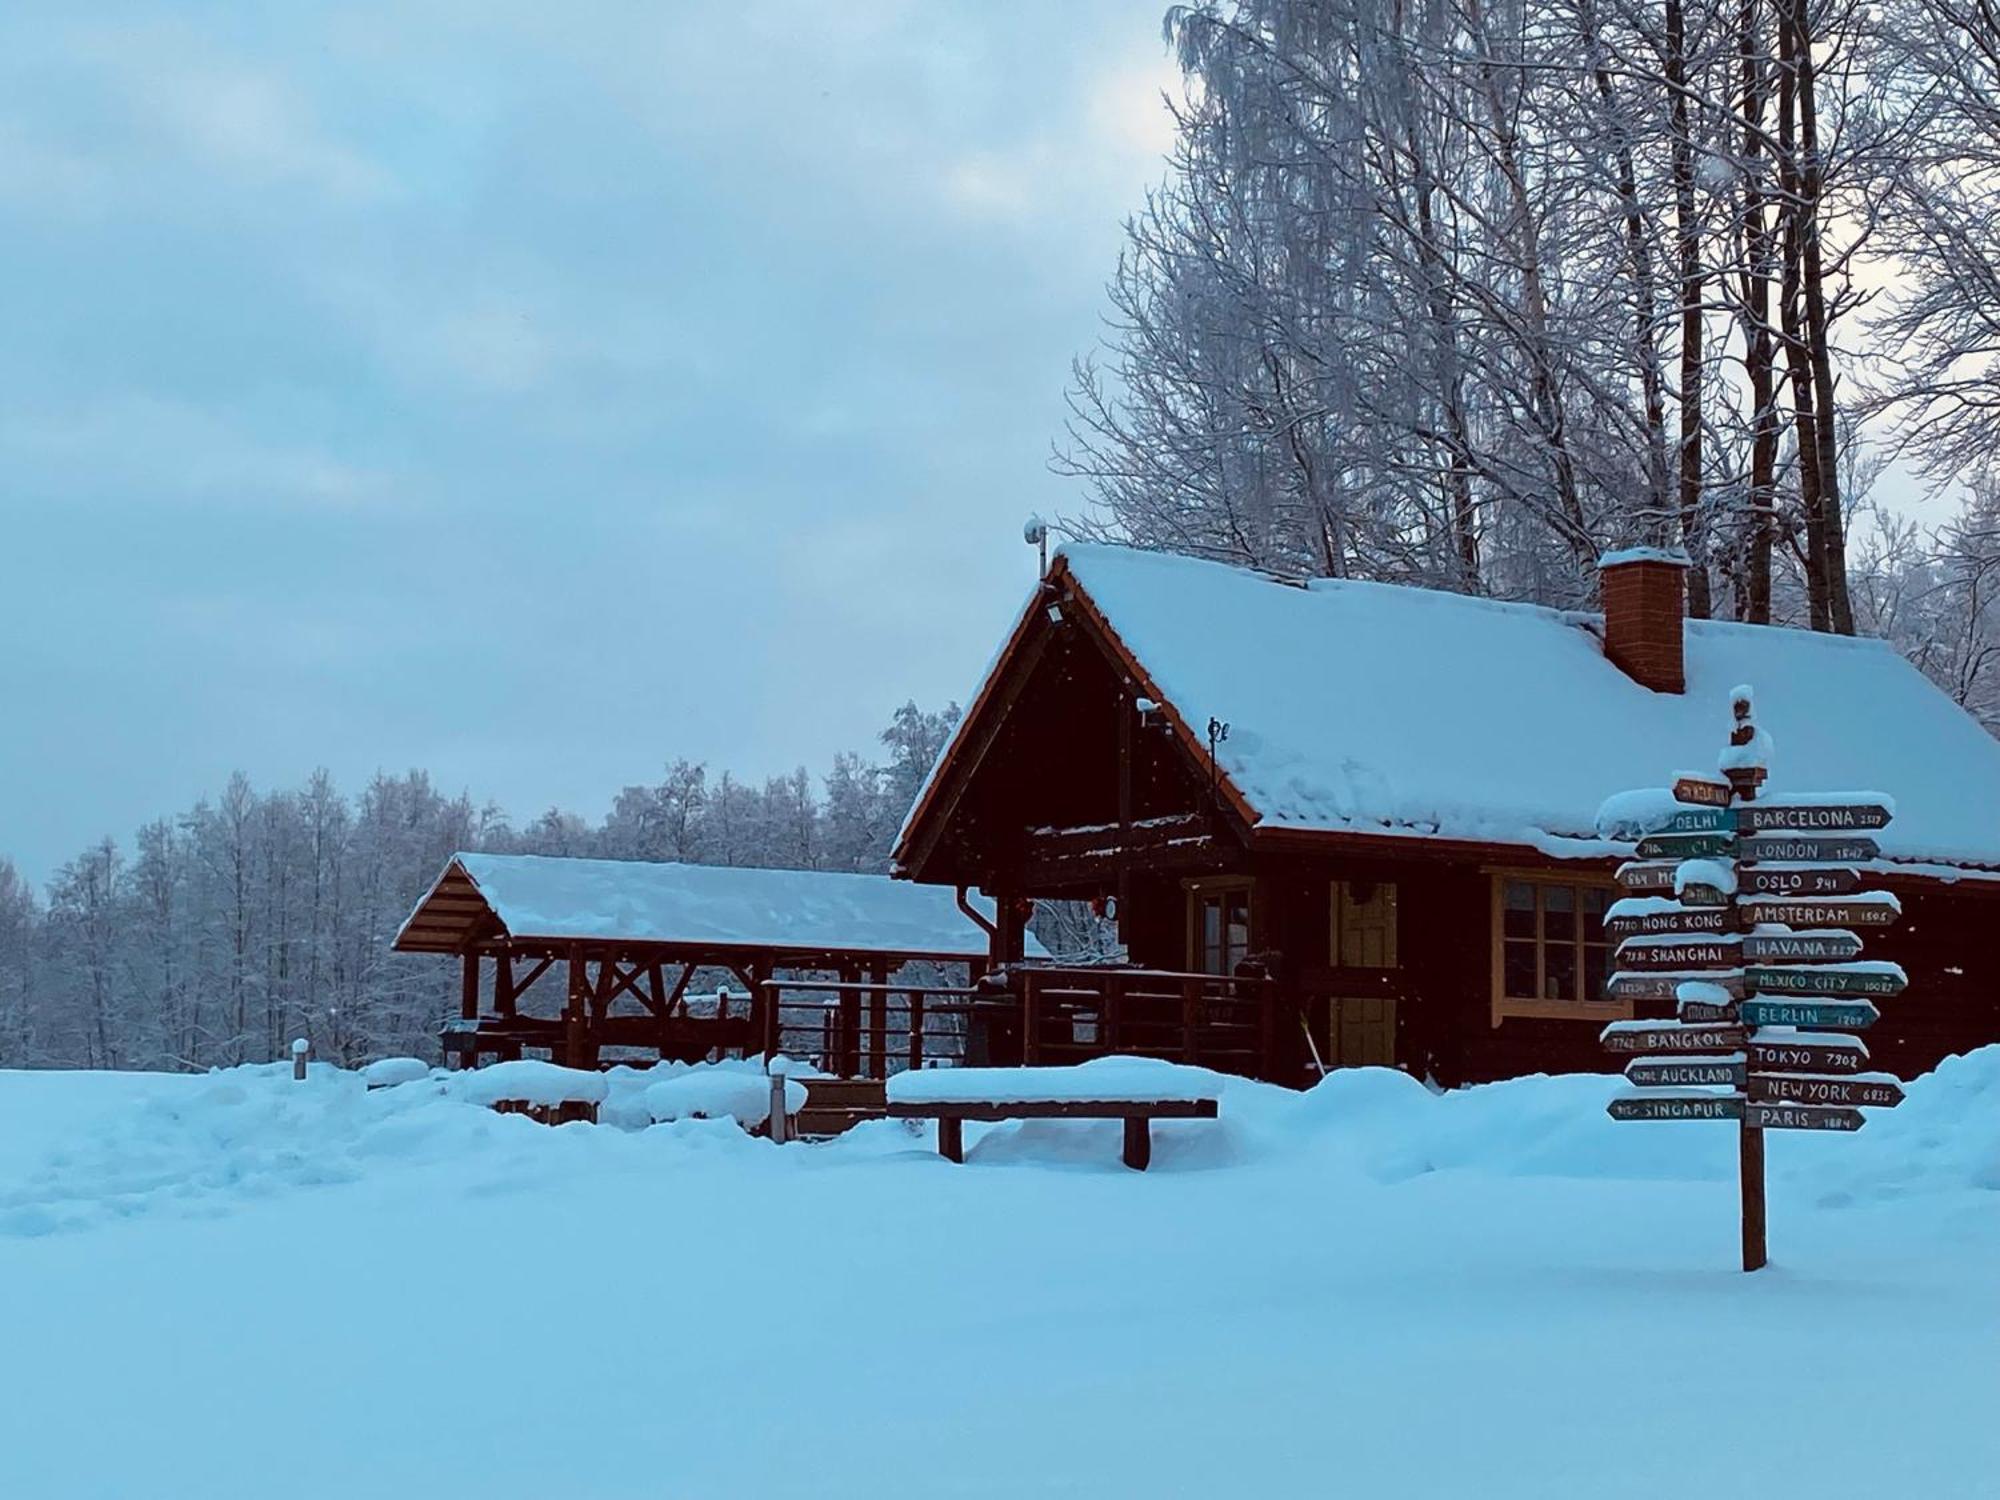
(1044, 1016)
(1069, 1014)
(856, 1030)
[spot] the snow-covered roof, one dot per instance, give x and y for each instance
(1376, 709)
(701, 906)
(1672, 556)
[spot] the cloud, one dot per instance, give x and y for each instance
(376, 358)
(151, 450)
(255, 124)
(1113, 131)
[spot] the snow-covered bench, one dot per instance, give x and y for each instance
(540, 1090)
(1135, 1090)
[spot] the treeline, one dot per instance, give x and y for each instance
(255, 917)
(1460, 293)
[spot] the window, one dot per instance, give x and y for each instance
(1550, 956)
(1218, 925)
(1363, 925)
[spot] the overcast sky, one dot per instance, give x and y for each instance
(531, 393)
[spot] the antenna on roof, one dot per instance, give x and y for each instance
(1036, 534)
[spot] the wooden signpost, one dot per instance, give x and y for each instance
(1852, 1015)
(1806, 848)
(1801, 947)
(1755, 949)
(1879, 909)
(1702, 791)
(1670, 918)
(1729, 1071)
(1649, 876)
(1799, 880)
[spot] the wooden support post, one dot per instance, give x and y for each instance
(1138, 1142)
(1009, 943)
(1190, 1019)
(576, 1010)
(850, 1023)
(1108, 1011)
(764, 1021)
(878, 1021)
(1128, 713)
(951, 1139)
(1750, 1168)
(1031, 1020)
(916, 1004)
(1268, 998)
(468, 988)
(1749, 1139)
(503, 985)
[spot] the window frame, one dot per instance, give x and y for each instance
(1198, 890)
(1505, 1005)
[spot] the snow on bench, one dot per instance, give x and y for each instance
(389, 1072)
(1128, 1079)
(542, 1090)
(713, 1093)
(1133, 1089)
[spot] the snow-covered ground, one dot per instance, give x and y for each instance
(235, 1285)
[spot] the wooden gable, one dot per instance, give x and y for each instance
(1068, 749)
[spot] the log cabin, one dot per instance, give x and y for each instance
(1344, 823)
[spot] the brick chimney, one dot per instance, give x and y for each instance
(1643, 590)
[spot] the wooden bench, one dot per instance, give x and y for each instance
(1138, 1115)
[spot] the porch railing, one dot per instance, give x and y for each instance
(856, 1030)
(1045, 1015)
(1070, 1014)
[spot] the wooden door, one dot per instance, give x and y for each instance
(1361, 1032)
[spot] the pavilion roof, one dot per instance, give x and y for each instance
(787, 915)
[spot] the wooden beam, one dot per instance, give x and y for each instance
(468, 989)
(1128, 713)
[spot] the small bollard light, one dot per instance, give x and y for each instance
(779, 1122)
(302, 1051)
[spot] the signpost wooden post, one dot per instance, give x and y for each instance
(1753, 944)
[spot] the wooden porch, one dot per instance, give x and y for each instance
(1027, 1015)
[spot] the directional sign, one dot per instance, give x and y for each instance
(1829, 979)
(1875, 1090)
(1701, 893)
(1811, 817)
(1859, 911)
(1839, 1014)
(1805, 848)
(1695, 820)
(1798, 880)
(1822, 1054)
(1676, 1107)
(1708, 1012)
(1800, 947)
(1666, 985)
(1671, 1036)
(1686, 1072)
(1670, 920)
(1800, 1117)
(1650, 876)
(1702, 791)
(1686, 845)
(1680, 953)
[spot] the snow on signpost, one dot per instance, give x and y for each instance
(1742, 913)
